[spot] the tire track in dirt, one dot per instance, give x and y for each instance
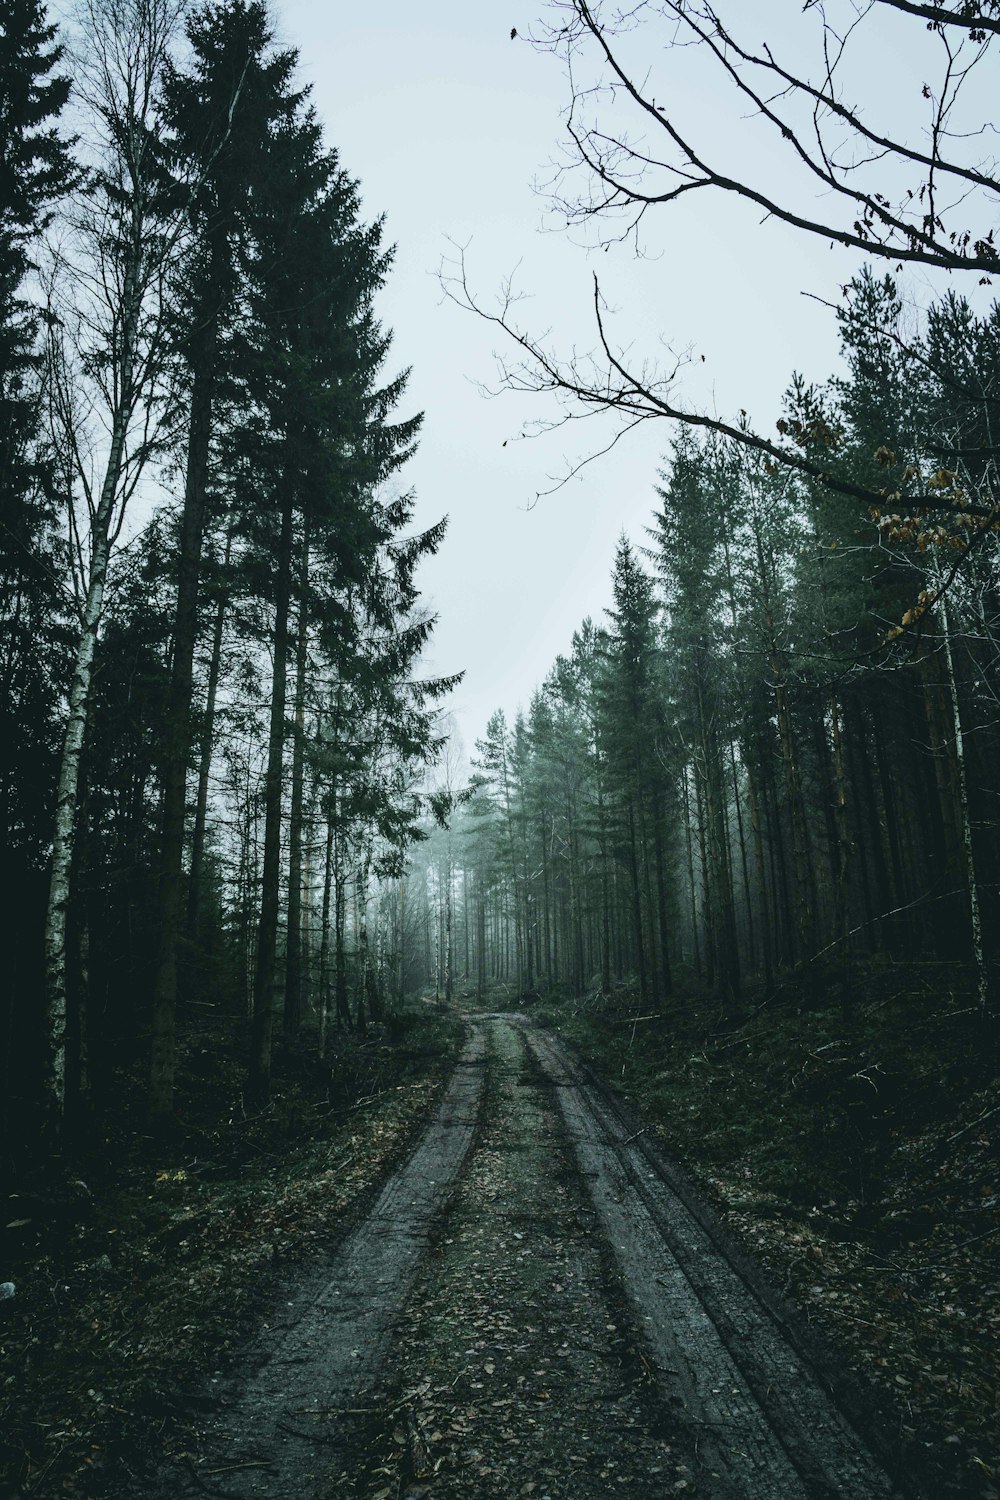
(519, 1371)
(770, 1431)
(273, 1434)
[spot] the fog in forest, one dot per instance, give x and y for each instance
(500, 758)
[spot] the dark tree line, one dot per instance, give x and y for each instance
(213, 723)
(781, 748)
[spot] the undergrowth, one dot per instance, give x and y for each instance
(134, 1282)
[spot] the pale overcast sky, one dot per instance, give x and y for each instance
(448, 124)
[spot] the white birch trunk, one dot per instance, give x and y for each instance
(69, 784)
(975, 915)
(124, 79)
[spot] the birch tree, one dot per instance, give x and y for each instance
(107, 371)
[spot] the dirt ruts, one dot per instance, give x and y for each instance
(542, 1316)
(769, 1428)
(274, 1429)
(519, 1370)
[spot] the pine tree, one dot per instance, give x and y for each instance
(632, 731)
(36, 170)
(326, 440)
(220, 114)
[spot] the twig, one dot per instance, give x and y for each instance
(840, 1313)
(372, 1098)
(253, 1463)
(325, 1411)
(629, 1139)
(973, 1123)
(307, 1437)
(212, 1489)
(936, 1265)
(895, 912)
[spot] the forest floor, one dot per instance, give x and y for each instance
(488, 1273)
(577, 1332)
(131, 1289)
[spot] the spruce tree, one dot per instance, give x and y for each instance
(36, 169)
(220, 113)
(324, 438)
(632, 731)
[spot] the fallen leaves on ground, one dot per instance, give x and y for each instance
(855, 1155)
(117, 1323)
(518, 1371)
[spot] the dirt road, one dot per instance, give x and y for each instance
(531, 1308)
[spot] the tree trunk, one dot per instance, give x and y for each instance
(178, 743)
(449, 960)
(293, 949)
(324, 940)
(962, 792)
(340, 957)
(602, 841)
(259, 1078)
(744, 862)
(362, 1009)
(692, 888)
(663, 910)
(804, 902)
(841, 890)
(898, 887)
(767, 936)
(54, 1078)
(708, 913)
(864, 820)
(306, 971)
(480, 938)
(636, 895)
(205, 757)
(401, 942)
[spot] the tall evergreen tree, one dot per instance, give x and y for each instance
(36, 169)
(632, 732)
(221, 113)
(326, 441)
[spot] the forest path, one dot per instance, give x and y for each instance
(271, 1434)
(767, 1427)
(560, 1324)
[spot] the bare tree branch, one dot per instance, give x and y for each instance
(971, 17)
(608, 384)
(631, 178)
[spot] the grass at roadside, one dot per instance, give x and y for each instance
(853, 1151)
(120, 1313)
